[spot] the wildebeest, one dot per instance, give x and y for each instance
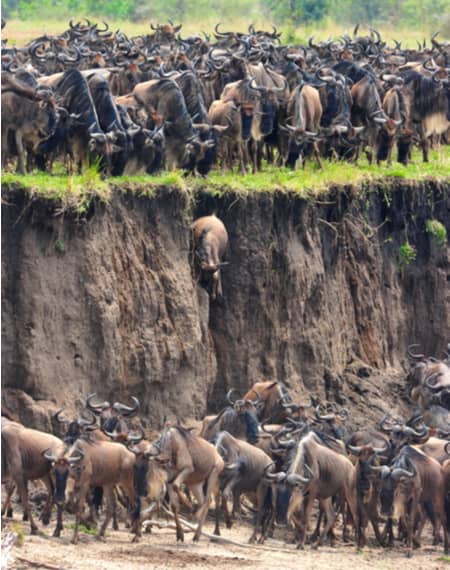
(244, 470)
(414, 485)
(318, 472)
(194, 462)
(210, 242)
(26, 121)
(239, 419)
(24, 459)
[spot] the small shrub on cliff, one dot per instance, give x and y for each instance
(407, 254)
(437, 231)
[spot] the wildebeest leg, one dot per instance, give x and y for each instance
(211, 486)
(10, 488)
(388, 533)
(316, 532)
(326, 505)
(409, 522)
(20, 152)
(59, 519)
(241, 158)
(23, 494)
(260, 496)
(217, 514)
(110, 508)
(79, 507)
(174, 503)
(317, 154)
(46, 513)
(425, 148)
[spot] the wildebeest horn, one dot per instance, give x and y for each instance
(295, 479)
(383, 469)
(219, 33)
(83, 422)
(399, 472)
(255, 87)
(410, 431)
(229, 400)
(356, 450)
(49, 455)
(431, 383)
(153, 27)
(127, 410)
(76, 458)
(447, 448)
(383, 423)
(134, 437)
(96, 408)
(412, 355)
(426, 64)
(327, 417)
(58, 419)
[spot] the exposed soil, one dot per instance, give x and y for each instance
(316, 296)
(159, 550)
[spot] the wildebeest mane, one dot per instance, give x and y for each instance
(76, 97)
(426, 92)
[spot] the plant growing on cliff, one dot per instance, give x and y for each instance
(407, 254)
(437, 231)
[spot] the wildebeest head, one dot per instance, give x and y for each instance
(391, 476)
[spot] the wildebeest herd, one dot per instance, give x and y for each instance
(136, 105)
(285, 456)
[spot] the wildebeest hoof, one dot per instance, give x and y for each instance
(180, 536)
(100, 537)
(408, 554)
(135, 539)
(57, 533)
(74, 541)
(34, 530)
(300, 547)
(196, 538)
(314, 545)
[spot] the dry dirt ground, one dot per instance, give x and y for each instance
(159, 550)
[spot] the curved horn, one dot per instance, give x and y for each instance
(83, 422)
(76, 458)
(399, 472)
(327, 417)
(96, 408)
(433, 386)
(49, 455)
(127, 410)
(296, 479)
(58, 419)
(229, 400)
(356, 450)
(383, 425)
(384, 470)
(136, 438)
(412, 355)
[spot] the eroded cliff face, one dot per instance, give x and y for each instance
(315, 296)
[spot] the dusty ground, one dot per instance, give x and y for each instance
(159, 550)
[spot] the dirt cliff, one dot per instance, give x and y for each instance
(318, 294)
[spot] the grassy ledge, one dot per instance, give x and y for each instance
(75, 192)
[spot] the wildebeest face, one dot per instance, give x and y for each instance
(388, 485)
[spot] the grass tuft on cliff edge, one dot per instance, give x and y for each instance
(75, 192)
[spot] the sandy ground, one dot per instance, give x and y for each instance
(159, 550)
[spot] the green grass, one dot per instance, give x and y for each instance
(76, 191)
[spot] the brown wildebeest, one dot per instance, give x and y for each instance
(210, 243)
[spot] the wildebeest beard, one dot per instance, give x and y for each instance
(252, 425)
